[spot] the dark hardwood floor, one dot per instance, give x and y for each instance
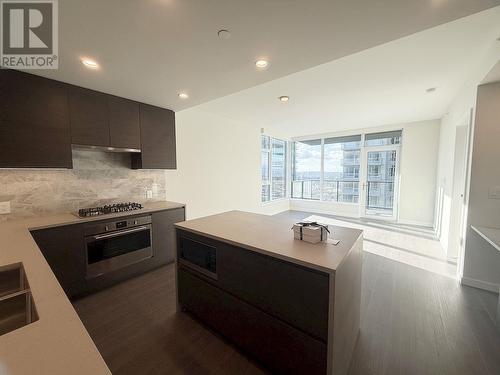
(137, 331)
(413, 322)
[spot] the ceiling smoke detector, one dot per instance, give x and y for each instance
(224, 34)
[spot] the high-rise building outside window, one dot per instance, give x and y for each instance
(273, 168)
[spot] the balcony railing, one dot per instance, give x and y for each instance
(306, 189)
(339, 191)
(380, 194)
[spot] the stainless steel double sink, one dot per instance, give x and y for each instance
(17, 308)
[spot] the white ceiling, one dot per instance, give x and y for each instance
(383, 85)
(150, 50)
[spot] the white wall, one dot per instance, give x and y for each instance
(218, 166)
(419, 157)
(457, 115)
(482, 261)
(419, 153)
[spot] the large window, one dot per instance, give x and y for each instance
(273, 168)
(341, 169)
(328, 169)
(306, 170)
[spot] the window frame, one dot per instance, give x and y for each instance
(269, 182)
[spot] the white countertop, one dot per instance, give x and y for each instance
(57, 343)
(491, 235)
(273, 236)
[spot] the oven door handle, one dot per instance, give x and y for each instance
(120, 233)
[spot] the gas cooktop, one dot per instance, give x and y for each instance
(109, 209)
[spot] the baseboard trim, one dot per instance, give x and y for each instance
(479, 284)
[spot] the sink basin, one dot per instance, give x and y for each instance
(17, 308)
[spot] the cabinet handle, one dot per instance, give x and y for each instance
(122, 232)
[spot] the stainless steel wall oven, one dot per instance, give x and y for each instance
(117, 244)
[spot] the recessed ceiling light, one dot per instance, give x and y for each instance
(183, 95)
(284, 98)
(431, 89)
(261, 64)
(90, 63)
(224, 34)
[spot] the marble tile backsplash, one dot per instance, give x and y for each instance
(96, 178)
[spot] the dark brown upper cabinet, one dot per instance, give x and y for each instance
(41, 118)
(34, 122)
(124, 126)
(157, 139)
(89, 117)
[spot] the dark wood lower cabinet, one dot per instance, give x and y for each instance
(164, 233)
(281, 289)
(64, 250)
(280, 347)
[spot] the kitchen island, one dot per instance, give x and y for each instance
(291, 305)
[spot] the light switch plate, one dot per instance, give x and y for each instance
(494, 192)
(4, 208)
(149, 194)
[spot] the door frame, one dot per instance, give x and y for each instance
(363, 177)
(455, 238)
(470, 123)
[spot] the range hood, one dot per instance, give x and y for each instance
(105, 149)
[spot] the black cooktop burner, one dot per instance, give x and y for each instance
(109, 209)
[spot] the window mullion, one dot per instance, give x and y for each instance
(322, 170)
(270, 169)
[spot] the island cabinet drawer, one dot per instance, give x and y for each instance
(295, 294)
(278, 346)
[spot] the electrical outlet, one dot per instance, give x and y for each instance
(149, 194)
(494, 192)
(4, 208)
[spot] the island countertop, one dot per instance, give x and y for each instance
(57, 343)
(273, 236)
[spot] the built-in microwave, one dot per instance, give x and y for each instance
(198, 256)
